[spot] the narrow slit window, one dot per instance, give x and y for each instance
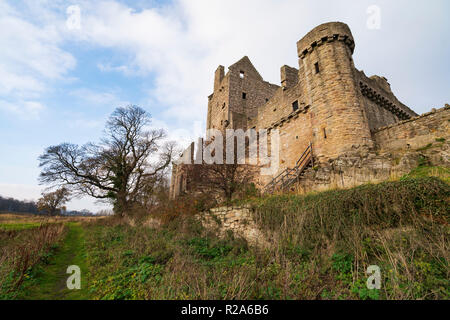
(316, 67)
(295, 105)
(324, 133)
(223, 106)
(242, 74)
(244, 95)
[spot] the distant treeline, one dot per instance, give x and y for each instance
(17, 206)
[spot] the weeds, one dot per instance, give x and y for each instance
(320, 247)
(21, 250)
(394, 225)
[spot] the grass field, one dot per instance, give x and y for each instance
(35, 253)
(321, 246)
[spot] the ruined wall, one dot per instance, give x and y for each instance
(327, 102)
(179, 181)
(414, 133)
(286, 111)
(219, 102)
(344, 105)
(245, 80)
(237, 96)
(399, 149)
(279, 106)
(295, 135)
(289, 77)
(236, 219)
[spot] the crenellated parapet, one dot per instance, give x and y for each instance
(326, 102)
(383, 102)
(325, 33)
(444, 113)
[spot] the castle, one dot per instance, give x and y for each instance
(326, 103)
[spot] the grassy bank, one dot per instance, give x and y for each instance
(321, 247)
(22, 252)
(34, 261)
(323, 244)
(48, 279)
(400, 226)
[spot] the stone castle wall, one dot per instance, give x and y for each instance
(327, 77)
(416, 132)
(326, 102)
(380, 104)
(239, 220)
(237, 96)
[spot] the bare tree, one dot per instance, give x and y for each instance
(117, 169)
(225, 179)
(52, 202)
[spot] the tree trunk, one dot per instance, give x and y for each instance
(121, 206)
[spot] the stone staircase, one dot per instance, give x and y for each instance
(291, 175)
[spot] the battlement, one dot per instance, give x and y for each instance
(334, 105)
(325, 33)
(444, 112)
(326, 101)
(415, 133)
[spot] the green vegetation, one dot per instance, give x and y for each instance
(19, 226)
(321, 246)
(428, 146)
(144, 263)
(22, 252)
(442, 173)
(399, 226)
(47, 280)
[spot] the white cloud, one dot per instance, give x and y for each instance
(30, 192)
(181, 43)
(20, 191)
(29, 110)
(99, 98)
(30, 60)
(127, 70)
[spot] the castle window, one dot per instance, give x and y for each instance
(223, 106)
(295, 105)
(242, 74)
(244, 95)
(324, 133)
(316, 66)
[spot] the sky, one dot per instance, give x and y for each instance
(63, 73)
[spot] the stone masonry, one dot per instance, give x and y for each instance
(326, 101)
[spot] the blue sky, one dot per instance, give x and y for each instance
(59, 84)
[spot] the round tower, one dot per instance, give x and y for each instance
(328, 78)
